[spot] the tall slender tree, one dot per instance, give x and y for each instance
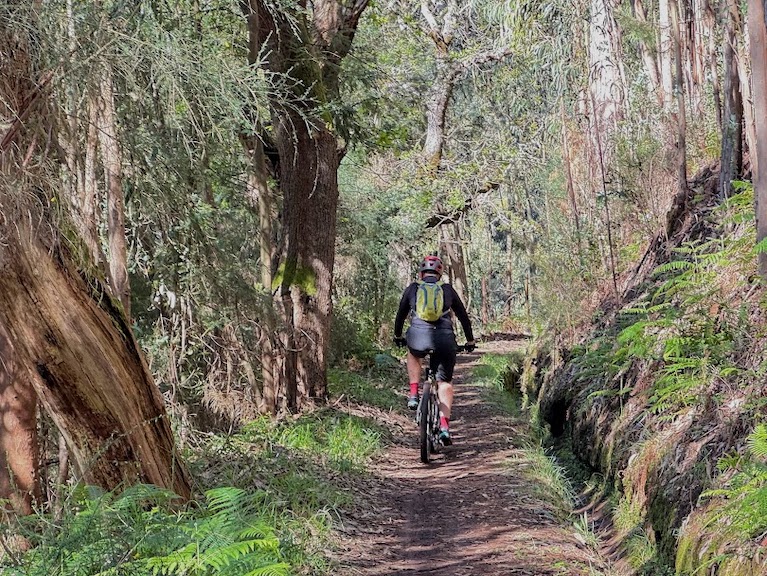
(732, 125)
(757, 29)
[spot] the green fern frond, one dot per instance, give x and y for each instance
(673, 266)
(281, 569)
(761, 247)
(757, 441)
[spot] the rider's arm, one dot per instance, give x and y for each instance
(462, 315)
(403, 311)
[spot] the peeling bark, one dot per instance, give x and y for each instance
(19, 472)
(111, 157)
(78, 352)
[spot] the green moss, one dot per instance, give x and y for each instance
(296, 275)
(662, 516)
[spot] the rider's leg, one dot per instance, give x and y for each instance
(445, 393)
(413, 367)
(413, 376)
(444, 385)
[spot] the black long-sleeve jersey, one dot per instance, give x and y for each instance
(445, 322)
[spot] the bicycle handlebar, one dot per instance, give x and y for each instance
(458, 348)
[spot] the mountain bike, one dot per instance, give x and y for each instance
(427, 414)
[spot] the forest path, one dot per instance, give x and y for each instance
(480, 507)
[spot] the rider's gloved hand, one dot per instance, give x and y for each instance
(400, 341)
(470, 346)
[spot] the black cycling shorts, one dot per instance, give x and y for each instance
(422, 340)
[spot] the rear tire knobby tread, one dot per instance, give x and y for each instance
(424, 426)
(434, 423)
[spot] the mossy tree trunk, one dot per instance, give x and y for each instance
(304, 46)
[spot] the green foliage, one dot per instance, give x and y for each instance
(375, 387)
(501, 374)
(743, 513)
(674, 328)
(550, 477)
(138, 532)
(338, 440)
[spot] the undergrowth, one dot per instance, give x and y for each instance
(229, 532)
(499, 373)
(687, 346)
(681, 326)
(744, 495)
(270, 495)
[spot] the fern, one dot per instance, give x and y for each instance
(761, 247)
(757, 441)
(136, 533)
(673, 266)
(744, 498)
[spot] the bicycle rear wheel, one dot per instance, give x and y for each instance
(434, 443)
(424, 424)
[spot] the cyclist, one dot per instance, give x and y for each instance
(435, 336)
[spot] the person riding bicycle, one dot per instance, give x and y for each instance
(432, 332)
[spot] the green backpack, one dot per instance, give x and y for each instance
(429, 301)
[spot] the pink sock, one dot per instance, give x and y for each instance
(414, 388)
(443, 422)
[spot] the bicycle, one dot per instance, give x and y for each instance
(427, 413)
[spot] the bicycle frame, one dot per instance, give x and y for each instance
(427, 414)
(427, 417)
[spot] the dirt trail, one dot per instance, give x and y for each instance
(473, 511)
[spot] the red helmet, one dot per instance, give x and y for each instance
(431, 264)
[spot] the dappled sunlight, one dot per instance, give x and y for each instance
(478, 508)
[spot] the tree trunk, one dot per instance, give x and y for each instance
(732, 133)
(111, 157)
(742, 59)
(70, 342)
(80, 355)
(261, 198)
(603, 178)
(710, 18)
(436, 114)
(680, 100)
(308, 47)
(649, 59)
(19, 471)
(567, 162)
(757, 29)
(485, 301)
(605, 79)
(509, 275)
(451, 249)
(310, 188)
(666, 50)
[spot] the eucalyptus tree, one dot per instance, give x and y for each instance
(466, 38)
(70, 341)
(732, 113)
(303, 46)
(757, 29)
